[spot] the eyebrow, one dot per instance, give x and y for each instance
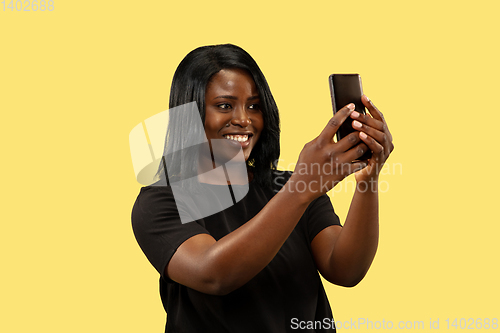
(251, 98)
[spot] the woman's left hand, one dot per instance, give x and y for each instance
(373, 131)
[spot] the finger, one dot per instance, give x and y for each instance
(368, 120)
(375, 112)
(356, 152)
(326, 136)
(378, 135)
(372, 108)
(383, 138)
(347, 142)
(372, 144)
(349, 168)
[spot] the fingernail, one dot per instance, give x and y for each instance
(356, 124)
(367, 99)
(350, 106)
(363, 135)
(355, 114)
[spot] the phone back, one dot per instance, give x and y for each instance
(345, 89)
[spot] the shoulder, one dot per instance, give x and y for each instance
(157, 223)
(164, 202)
(159, 203)
(151, 203)
(150, 196)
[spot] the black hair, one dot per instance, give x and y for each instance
(189, 84)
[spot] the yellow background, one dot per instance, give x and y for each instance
(75, 81)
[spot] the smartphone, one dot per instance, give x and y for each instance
(345, 89)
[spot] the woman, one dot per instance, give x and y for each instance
(253, 267)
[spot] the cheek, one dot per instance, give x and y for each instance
(211, 124)
(258, 121)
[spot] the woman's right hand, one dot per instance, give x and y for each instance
(323, 163)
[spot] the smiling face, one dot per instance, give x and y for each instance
(232, 109)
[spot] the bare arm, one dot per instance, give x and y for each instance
(344, 255)
(219, 267)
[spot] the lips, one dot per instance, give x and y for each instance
(237, 137)
(242, 138)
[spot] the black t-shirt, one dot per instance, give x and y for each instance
(285, 295)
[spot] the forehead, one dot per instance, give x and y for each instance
(232, 81)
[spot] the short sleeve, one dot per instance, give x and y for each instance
(157, 225)
(320, 214)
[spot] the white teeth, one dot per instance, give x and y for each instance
(239, 138)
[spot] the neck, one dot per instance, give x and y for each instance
(227, 174)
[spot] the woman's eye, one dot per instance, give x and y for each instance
(254, 107)
(224, 106)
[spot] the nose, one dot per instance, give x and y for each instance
(240, 117)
